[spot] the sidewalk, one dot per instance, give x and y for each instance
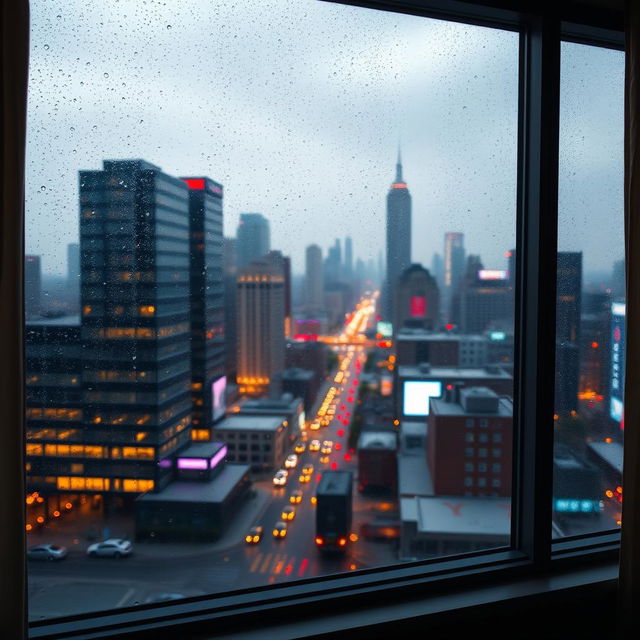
(76, 529)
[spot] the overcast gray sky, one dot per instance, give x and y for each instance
(297, 106)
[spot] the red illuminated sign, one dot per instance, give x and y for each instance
(418, 306)
(195, 183)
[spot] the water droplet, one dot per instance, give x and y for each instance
(106, 75)
(168, 26)
(46, 46)
(43, 188)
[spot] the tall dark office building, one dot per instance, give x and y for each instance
(398, 237)
(207, 305)
(253, 238)
(568, 310)
(284, 264)
(230, 271)
(454, 266)
(486, 301)
(32, 286)
(260, 316)
(73, 265)
(136, 322)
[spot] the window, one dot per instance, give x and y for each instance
(590, 315)
(126, 345)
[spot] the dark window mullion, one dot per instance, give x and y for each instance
(536, 291)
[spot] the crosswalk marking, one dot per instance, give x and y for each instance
(266, 562)
(255, 563)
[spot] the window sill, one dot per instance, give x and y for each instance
(495, 586)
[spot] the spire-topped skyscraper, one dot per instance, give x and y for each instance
(398, 237)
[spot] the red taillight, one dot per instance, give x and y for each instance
(319, 541)
(342, 542)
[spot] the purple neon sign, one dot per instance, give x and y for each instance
(202, 464)
(213, 463)
(192, 463)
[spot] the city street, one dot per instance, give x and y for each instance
(80, 583)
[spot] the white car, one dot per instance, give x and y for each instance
(111, 548)
(46, 552)
(280, 479)
(291, 462)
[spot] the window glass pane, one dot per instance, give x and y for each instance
(269, 282)
(589, 418)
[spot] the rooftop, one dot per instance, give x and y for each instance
(60, 321)
(458, 516)
(377, 440)
(201, 450)
(414, 478)
(418, 372)
(239, 422)
(214, 491)
(611, 452)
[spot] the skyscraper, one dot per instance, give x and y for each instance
(454, 259)
(348, 258)
(284, 263)
(73, 266)
(260, 325)
(253, 238)
(32, 286)
(207, 304)
(568, 310)
(314, 281)
(230, 272)
(437, 269)
(135, 332)
(398, 236)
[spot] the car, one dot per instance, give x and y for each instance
(255, 535)
(327, 446)
(304, 478)
(307, 470)
(314, 445)
(324, 459)
(291, 462)
(47, 552)
(300, 447)
(279, 530)
(315, 425)
(281, 477)
(296, 497)
(288, 513)
(111, 548)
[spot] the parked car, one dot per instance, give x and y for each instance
(47, 552)
(111, 548)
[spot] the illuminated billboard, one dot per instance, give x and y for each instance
(416, 395)
(385, 329)
(218, 401)
(492, 274)
(418, 306)
(616, 406)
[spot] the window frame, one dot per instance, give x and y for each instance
(533, 552)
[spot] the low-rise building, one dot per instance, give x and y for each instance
(258, 440)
